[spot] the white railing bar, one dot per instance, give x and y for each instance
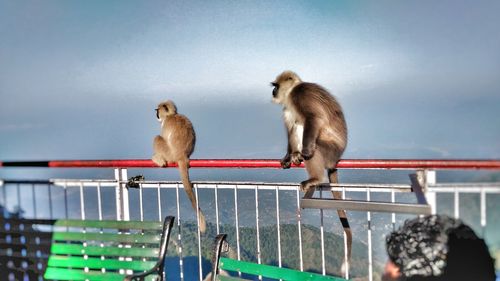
(66, 201)
(278, 228)
(241, 186)
(271, 188)
(345, 242)
(198, 231)
(237, 224)
(18, 188)
(359, 205)
(159, 203)
(456, 203)
(58, 181)
(393, 215)
(261, 184)
(483, 212)
(322, 237)
(465, 184)
(34, 200)
(491, 187)
(4, 194)
(179, 235)
(82, 203)
(465, 189)
(370, 253)
(99, 201)
(299, 226)
(259, 258)
(292, 185)
(51, 211)
(216, 191)
(141, 207)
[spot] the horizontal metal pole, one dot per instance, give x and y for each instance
(471, 189)
(465, 184)
(358, 205)
(350, 187)
(325, 186)
(404, 164)
(231, 185)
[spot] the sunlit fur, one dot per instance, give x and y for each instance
(317, 134)
(175, 144)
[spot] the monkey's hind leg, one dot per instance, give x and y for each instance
(160, 151)
(316, 171)
(333, 177)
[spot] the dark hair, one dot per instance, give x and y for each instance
(468, 258)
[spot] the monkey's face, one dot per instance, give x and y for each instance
(283, 84)
(165, 109)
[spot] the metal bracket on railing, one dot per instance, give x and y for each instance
(133, 182)
(360, 205)
(308, 202)
(418, 187)
(420, 182)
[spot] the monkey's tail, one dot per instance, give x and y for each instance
(188, 187)
(333, 177)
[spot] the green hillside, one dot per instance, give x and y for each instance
(311, 243)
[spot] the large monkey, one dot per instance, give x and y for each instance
(174, 145)
(317, 135)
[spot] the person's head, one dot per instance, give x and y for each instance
(437, 248)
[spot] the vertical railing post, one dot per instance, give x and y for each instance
(483, 212)
(369, 232)
(179, 233)
(122, 204)
(420, 186)
(429, 178)
(322, 237)
(299, 229)
(4, 196)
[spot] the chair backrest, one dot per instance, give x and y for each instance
(106, 250)
(24, 247)
(220, 264)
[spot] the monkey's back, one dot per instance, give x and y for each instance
(313, 101)
(179, 135)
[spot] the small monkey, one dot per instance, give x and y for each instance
(317, 135)
(175, 144)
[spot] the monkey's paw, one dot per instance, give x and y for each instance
(307, 152)
(158, 160)
(286, 162)
(306, 186)
(296, 158)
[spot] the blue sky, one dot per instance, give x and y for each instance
(80, 79)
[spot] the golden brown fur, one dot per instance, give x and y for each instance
(317, 134)
(175, 144)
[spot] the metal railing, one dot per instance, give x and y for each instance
(258, 209)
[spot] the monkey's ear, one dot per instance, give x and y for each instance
(166, 108)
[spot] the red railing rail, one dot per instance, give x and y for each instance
(405, 164)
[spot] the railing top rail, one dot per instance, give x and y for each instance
(402, 164)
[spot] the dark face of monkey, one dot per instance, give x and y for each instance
(165, 109)
(283, 84)
(275, 90)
